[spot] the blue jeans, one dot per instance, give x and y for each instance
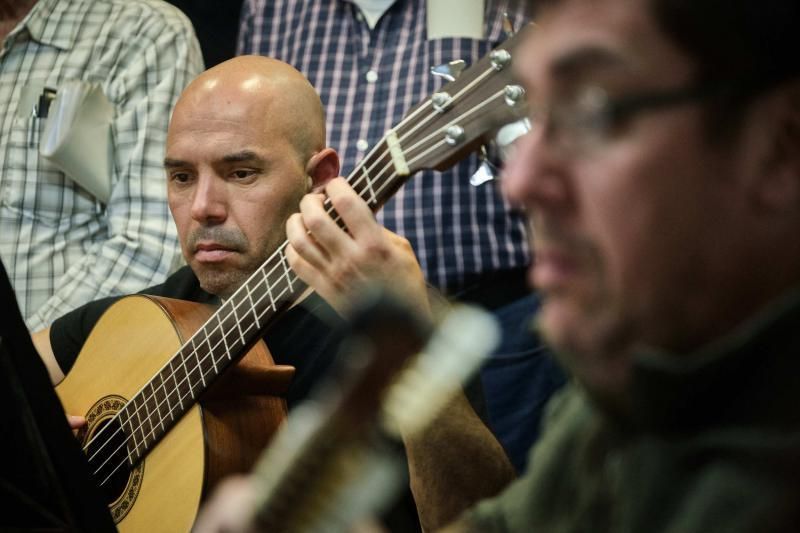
(518, 379)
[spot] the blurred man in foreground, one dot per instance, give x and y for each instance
(662, 177)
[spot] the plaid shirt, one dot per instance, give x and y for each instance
(368, 79)
(61, 246)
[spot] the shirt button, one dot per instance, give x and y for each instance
(362, 145)
(371, 76)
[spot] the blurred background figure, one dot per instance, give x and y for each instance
(216, 24)
(90, 219)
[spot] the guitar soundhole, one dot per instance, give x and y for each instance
(111, 466)
(107, 452)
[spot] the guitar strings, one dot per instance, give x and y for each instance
(223, 333)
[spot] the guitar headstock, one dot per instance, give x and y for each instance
(446, 126)
(454, 121)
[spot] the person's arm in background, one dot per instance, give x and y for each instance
(60, 344)
(41, 341)
(141, 246)
(456, 461)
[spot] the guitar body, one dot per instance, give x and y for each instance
(235, 419)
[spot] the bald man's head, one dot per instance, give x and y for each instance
(270, 91)
(246, 141)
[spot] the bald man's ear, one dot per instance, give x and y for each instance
(321, 168)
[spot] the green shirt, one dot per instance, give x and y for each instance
(713, 445)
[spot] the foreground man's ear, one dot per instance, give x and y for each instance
(321, 168)
(778, 186)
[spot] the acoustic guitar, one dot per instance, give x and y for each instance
(148, 362)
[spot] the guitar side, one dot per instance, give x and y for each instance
(131, 342)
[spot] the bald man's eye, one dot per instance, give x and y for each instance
(180, 177)
(243, 173)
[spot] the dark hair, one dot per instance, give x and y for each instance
(735, 40)
(743, 46)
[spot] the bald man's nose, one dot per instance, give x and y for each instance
(209, 203)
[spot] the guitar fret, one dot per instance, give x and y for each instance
(175, 381)
(266, 287)
(210, 351)
(252, 306)
(131, 432)
(372, 199)
(238, 324)
(286, 273)
(147, 423)
(224, 341)
(186, 374)
(157, 405)
(199, 366)
(163, 387)
(141, 426)
(132, 454)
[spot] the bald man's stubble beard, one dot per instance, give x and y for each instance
(224, 279)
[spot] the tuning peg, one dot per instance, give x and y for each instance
(487, 171)
(508, 25)
(509, 133)
(496, 152)
(449, 71)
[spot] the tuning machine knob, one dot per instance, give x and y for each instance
(514, 94)
(449, 71)
(496, 152)
(454, 134)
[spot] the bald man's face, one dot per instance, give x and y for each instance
(234, 178)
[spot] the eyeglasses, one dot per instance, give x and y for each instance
(588, 122)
